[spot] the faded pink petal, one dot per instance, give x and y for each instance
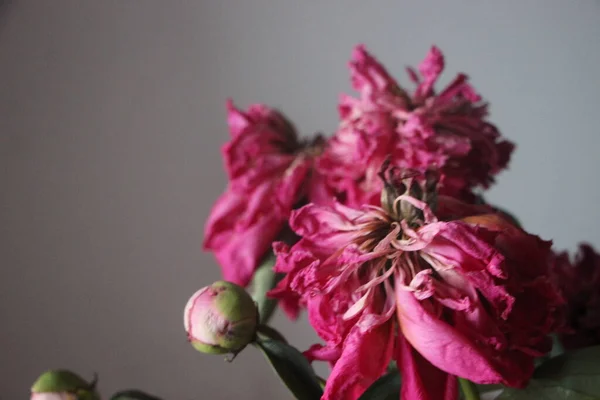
(446, 130)
(365, 357)
(328, 226)
(268, 173)
(447, 348)
(430, 68)
(420, 379)
(486, 259)
(238, 246)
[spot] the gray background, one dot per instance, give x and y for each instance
(112, 115)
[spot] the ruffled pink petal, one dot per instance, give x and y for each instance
(328, 226)
(239, 247)
(420, 379)
(446, 130)
(447, 348)
(430, 68)
(268, 176)
(368, 75)
(365, 357)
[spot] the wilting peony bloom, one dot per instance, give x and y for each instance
(220, 318)
(268, 167)
(580, 283)
(420, 130)
(469, 297)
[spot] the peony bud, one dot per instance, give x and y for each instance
(220, 318)
(63, 385)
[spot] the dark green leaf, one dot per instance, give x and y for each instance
(133, 395)
(264, 280)
(488, 388)
(543, 390)
(385, 388)
(571, 376)
(265, 332)
(577, 370)
(293, 369)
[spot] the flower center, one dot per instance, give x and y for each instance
(390, 239)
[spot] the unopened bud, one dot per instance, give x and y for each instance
(220, 318)
(63, 385)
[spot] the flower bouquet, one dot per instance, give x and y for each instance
(416, 285)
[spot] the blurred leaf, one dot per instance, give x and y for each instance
(385, 388)
(264, 280)
(133, 395)
(293, 369)
(574, 376)
(322, 383)
(488, 388)
(557, 350)
(577, 370)
(543, 390)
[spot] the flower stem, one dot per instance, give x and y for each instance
(265, 331)
(469, 389)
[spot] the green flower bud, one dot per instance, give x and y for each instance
(63, 385)
(220, 318)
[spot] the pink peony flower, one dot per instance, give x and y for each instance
(268, 167)
(469, 297)
(580, 282)
(422, 130)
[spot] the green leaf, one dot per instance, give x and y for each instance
(293, 369)
(133, 395)
(264, 280)
(265, 332)
(577, 370)
(543, 390)
(488, 388)
(385, 388)
(571, 376)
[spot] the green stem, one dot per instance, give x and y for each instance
(266, 331)
(469, 389)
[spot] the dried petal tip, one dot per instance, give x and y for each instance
(63, 385)
(220, 318)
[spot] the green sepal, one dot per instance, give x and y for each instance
(209, 348)
(265, 279)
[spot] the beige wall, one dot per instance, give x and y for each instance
(112, 114)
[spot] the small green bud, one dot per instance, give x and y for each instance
(63, 385)
(220, 318)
